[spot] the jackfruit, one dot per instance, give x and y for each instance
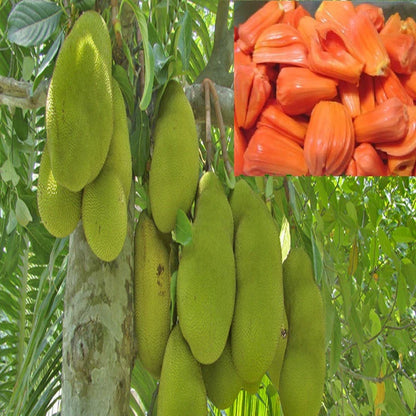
(276, 367)
(79, 106)
(259, 307)
(303, 372)
(119, 154)
(252, 388)
(206, 276)
(181, 389)
(174, 171)
(151, 294)
(59, 208)
(221, 380)
(104, 215)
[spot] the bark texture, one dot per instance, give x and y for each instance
(98, 345)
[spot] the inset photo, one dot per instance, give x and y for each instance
(325, 88)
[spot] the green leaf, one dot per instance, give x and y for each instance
(336, 347)
(32, 22)
(183, 229)
(402, 294)
(375, 323)
(20, 124)
(22, 213)
(8, 173)
(28, 67)
(403, 235)
(185, 38)
(409, 392)
(52, 52)
(83, 5)
(120, 74)
(285, 238)
(148, 53)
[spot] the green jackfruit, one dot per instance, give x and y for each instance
(206, 275)
(252, 388)
(173, 176)
(221, 380)
(181, 389)
(119, 154)
(59, 208)
(104, 215)
(276, 366)
(79, 107)
(303, 372)
(259, 307)
(151, 294)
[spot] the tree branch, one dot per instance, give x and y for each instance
(19, 93)
(219, 63)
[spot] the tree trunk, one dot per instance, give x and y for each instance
(98, 345)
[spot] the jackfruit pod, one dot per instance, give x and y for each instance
(240, 146)
(402, 52)
(241, 57)
(350, 97)
(298, 90)
(329, 55)
(362, 39)
(392, 25)
(366, 93)
(288, 5)
(222, 380)
(293, 17)
(389, 86)
(329, 142)
(307, 29)
(374, 13)
(273, 117)
(406, 145)
(409, 84)
(281, 44)
(252, 89)
(59, 208)
(271, 152)
(368, 162)
(252, 387)
(250, 30)
(402, 166)
(388, 122)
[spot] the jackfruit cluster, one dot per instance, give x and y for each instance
(240, 313)
(85, 171)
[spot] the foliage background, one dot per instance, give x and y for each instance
(360, 233)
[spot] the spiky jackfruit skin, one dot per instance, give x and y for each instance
(119, 154)
(181, 389)
(276, 366)
(151, 294)
(206, 281)
(79, 107)
(104, 215)
(174, 171)
(259, 307)
(59, 208)
(303, 372)
(221, 380)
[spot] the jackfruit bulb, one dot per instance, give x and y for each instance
(303, 372)
(174, 171)
(79, 107)
(59, 208)
(181, 389)
(104, 215)
(119, 154)
(259, 307)
(206, 276)
(151, 294)
(276, 366)
(221, 380)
